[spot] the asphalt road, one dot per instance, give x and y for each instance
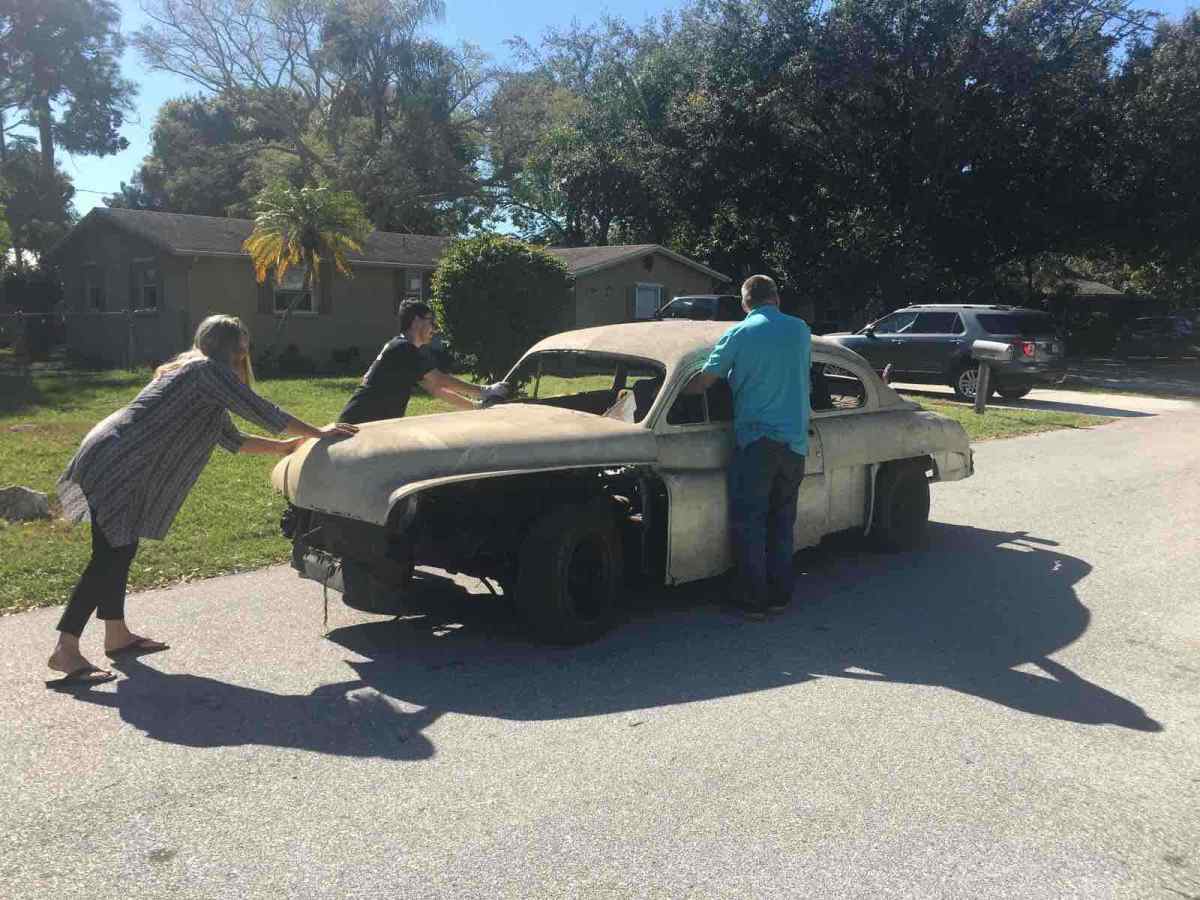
(1013, 711)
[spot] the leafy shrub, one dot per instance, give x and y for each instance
(495, 296)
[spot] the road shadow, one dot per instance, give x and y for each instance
(343, 719)
(973, 612)
(1026, 403)
(1154, 377)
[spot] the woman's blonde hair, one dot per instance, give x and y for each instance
(220, 338)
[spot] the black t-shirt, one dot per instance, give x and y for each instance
(388, 383)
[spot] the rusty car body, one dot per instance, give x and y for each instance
(599, 474)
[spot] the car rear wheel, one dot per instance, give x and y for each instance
(570, 570)
(901, 506)
(1013, 393)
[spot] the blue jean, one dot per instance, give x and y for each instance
(764, 480)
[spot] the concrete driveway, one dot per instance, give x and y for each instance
(1090, 402)
(1159, 377)
(1012, 711)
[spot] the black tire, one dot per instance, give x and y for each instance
(570, 571)
(1013, 393)
(964, 381)
(901, 506)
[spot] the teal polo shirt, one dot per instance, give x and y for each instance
(766, 360)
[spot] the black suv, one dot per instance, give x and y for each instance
(931, 344)
(705, 307)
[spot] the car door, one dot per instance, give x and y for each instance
(882, 343)
(844, 409)
(931, 344)
(694, 451)
(695, 448)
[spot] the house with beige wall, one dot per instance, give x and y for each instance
(136, 284)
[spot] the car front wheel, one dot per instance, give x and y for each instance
(966, 383)
(569, 572)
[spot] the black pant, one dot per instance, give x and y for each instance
(101, 586)
(764, 481)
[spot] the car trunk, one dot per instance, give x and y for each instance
(1036, 328)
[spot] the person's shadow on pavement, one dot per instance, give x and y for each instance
(344, 719)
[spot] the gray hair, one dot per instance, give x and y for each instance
(759, 289)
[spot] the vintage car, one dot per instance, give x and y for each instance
(599, 474)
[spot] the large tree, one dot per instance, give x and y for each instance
(570, 133)
(60, 72)
(205, 160)
(39, 209)
(886, 150)
(351, 90)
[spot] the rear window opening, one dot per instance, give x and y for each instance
(1029, 325)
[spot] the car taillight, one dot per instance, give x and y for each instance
(1024, 348)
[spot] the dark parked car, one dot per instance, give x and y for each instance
(1170, 336)
(704, 307)
(931, 344)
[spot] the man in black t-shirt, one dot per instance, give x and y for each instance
(402, 364)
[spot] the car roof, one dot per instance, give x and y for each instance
(671, 341)
(704, 297)
(948, 307)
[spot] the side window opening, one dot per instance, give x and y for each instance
(937, 323)
(688, 409)
(897, 323)
(835, 388)
(720, 402)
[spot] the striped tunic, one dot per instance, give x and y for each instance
(135, 468)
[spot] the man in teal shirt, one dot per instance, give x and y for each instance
(766, 359)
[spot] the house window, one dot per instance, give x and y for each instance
(93, 289)
(414, 285)
(289, 290)
(147, 294)
(647, 300)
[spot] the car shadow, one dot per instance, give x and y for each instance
(977, 612)
(1026, 403)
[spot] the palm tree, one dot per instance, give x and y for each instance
(303, 227)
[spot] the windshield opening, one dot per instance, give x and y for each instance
(601, 384)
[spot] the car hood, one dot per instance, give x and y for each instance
(361, 477)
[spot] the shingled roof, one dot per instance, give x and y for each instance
(582, 260)
(187, 235)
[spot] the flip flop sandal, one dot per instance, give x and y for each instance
(84, 676)
(142, 646)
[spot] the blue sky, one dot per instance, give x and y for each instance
(486, 23)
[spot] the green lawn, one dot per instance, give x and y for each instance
(230, 521)
(1007, 421)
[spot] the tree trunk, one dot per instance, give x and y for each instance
(1028, 281)
(46, 135)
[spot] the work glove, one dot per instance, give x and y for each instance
(494, 393)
